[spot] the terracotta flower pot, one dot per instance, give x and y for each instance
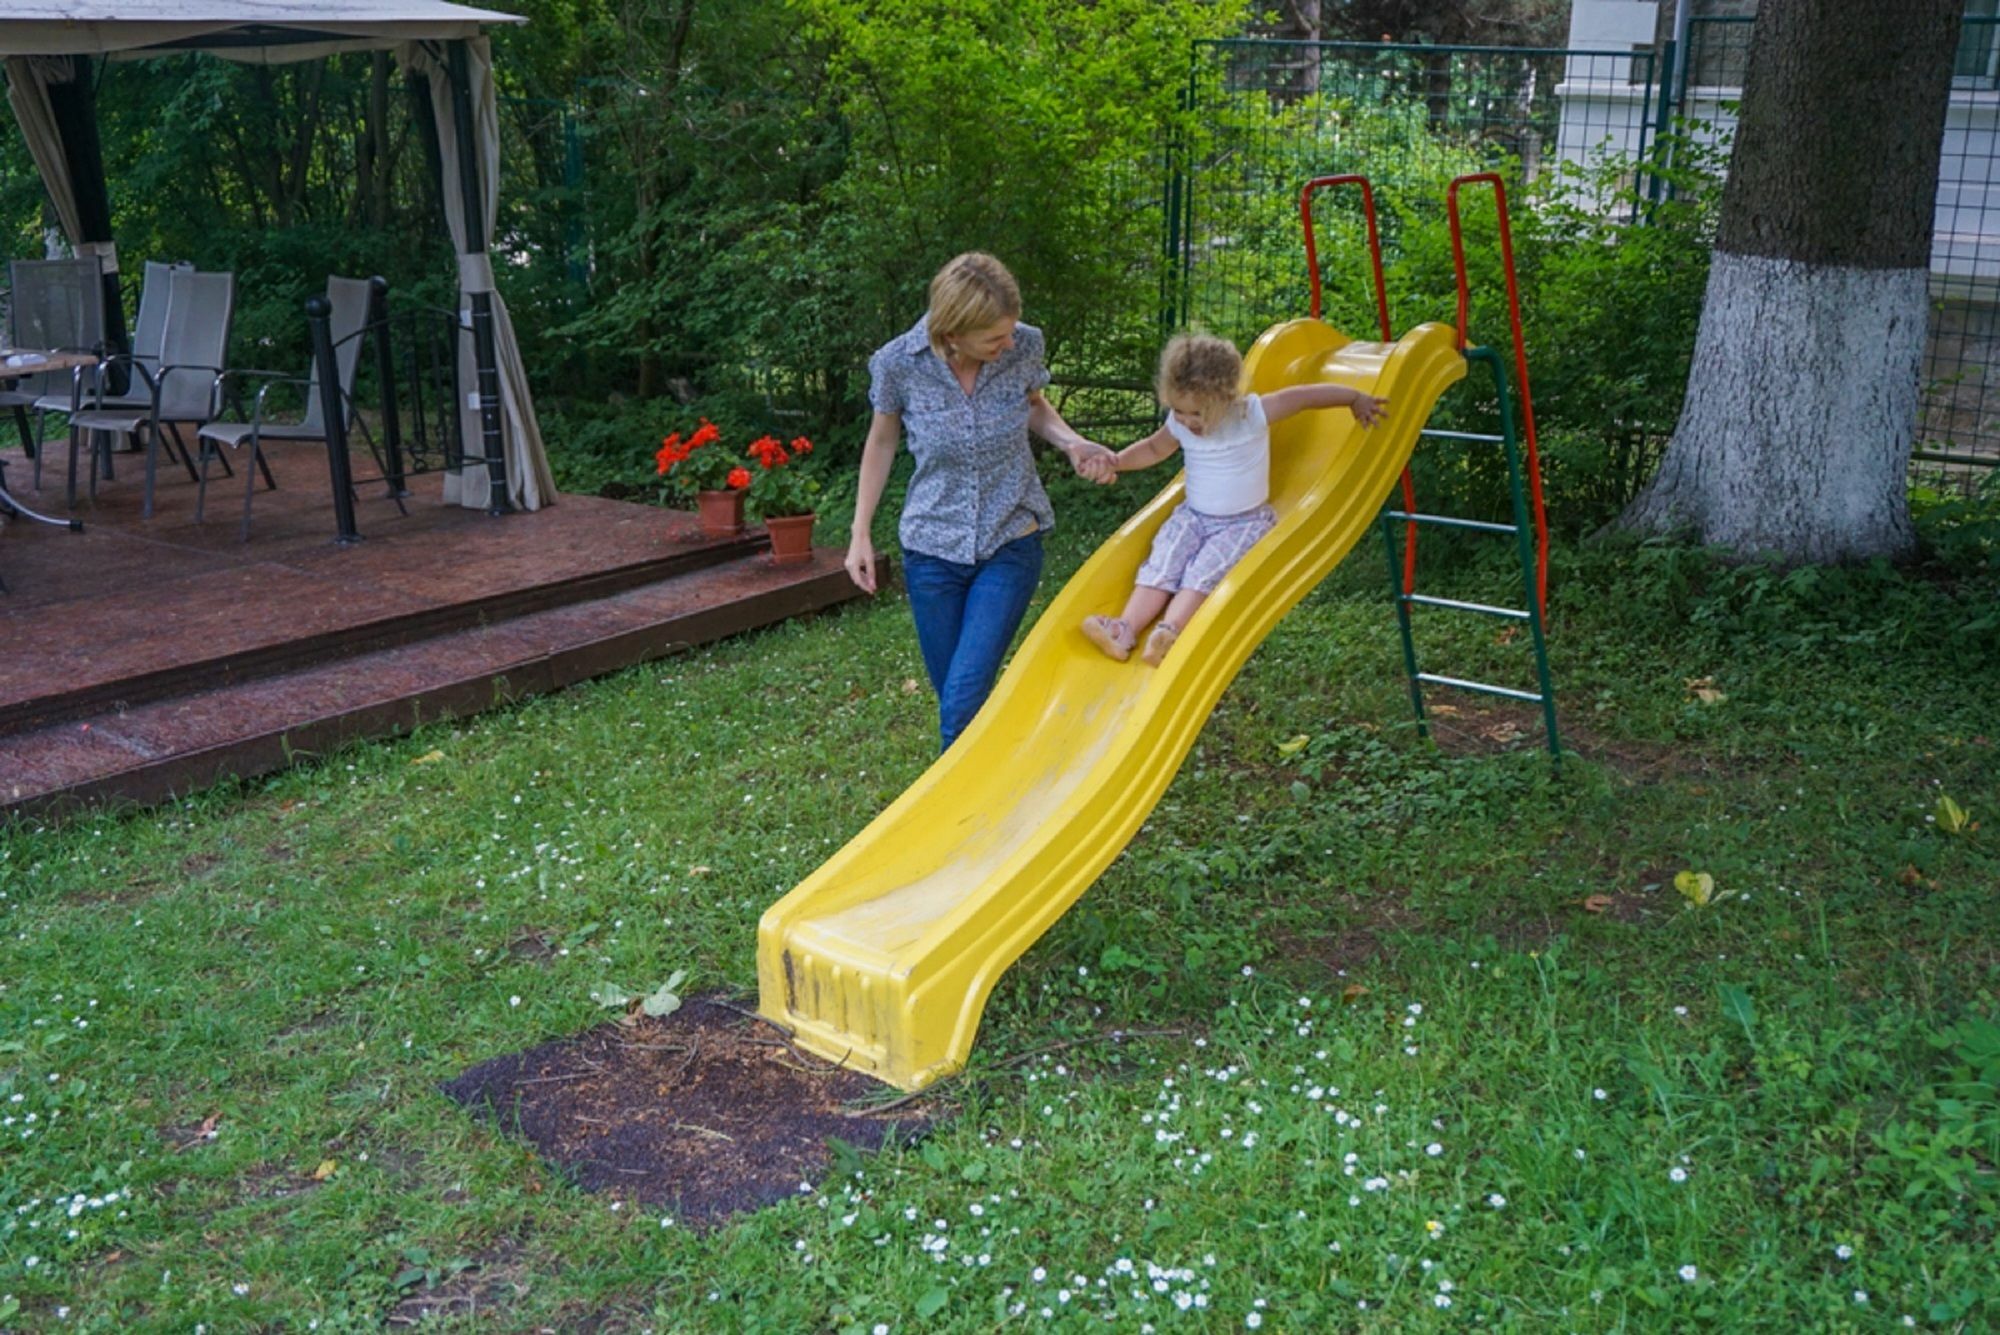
(721, 513)
(791, 538)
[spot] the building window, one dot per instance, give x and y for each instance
(1978, 63)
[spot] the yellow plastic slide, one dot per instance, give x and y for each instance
(884, 957)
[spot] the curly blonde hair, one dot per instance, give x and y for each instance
(972, 291)
(1201, 367)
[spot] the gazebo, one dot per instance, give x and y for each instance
(49, 46)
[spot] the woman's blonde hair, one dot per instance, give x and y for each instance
(972, 291)
(1201, 367)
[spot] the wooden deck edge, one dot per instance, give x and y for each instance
(171, 777)
(368, 637)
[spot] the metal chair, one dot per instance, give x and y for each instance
(149, 332)
(350, 299)
(54, 306)
(180, 387)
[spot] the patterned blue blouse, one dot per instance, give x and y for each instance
(975, 488)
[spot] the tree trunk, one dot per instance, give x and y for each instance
(1295, 69)
(1801, 409)
(379, 180)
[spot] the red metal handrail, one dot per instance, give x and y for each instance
(1382, 315)
(1520, 353)
(1319, 183)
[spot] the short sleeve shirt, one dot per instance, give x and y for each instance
(1229, 465)
(975, 488)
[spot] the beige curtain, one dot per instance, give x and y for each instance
(531, 485)
(28, 80)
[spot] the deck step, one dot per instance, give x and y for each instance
(169, 747)
(110, 683)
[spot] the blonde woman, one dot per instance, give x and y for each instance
(964, 384)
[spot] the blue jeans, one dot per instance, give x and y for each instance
(966, 617)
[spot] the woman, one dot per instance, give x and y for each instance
(966, 383)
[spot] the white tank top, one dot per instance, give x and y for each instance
(1229, 465)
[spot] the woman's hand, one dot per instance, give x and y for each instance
(861, 562)
(1093, 462)
(1367, 409)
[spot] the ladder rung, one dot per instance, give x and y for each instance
(1462, 435)
(1449, 521)
(1433, 679)
(1484, 609)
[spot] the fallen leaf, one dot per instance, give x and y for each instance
(909, 686)
(326, 1169)
(1507, 635)
(428, 758)
(1909, 876)
(1952, 818)
(1294, 746)
(1352, 993)
(1703, 689)
(1445, 711)
(665, 999)
(203, 1133)
(610, 994)
(1697, 887)
(702, 870)
(1596, 903)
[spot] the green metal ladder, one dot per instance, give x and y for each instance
(1534, 556)
(1401, 586)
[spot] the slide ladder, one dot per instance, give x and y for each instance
(1524, 480)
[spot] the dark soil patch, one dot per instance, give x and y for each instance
(1480, 727)
(533, 946)
(1362, 942)
(705, 1113)
(272, 1182)
(472, 1287)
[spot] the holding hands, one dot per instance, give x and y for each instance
(1093, 462)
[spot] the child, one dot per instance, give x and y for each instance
(1228, 442)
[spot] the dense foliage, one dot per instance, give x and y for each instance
(718, 210)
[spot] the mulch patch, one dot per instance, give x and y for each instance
(705, 1113)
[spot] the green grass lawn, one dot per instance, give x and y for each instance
(1398, 1068)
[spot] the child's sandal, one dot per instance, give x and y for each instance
(1161, 640)
(1110, 634)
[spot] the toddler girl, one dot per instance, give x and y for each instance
(1227, 439)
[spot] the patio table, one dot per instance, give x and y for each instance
(14, 364)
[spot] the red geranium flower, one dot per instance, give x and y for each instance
(768, 452)
(705, 434)
(739, 478)
(670, 452)
(800, 445)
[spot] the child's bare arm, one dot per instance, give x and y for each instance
(1145, 453)
(1282, 403)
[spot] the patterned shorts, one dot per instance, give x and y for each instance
(1194, 551)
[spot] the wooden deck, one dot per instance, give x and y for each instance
(144, 659)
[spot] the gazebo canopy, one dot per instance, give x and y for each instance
(254, 31)
(48, 47)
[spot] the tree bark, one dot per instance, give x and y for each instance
(1795, 437)
(1295, 72)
